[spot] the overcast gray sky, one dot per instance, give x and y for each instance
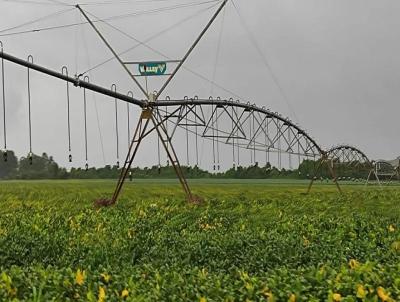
(336, 61)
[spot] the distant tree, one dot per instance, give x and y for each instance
(42, 167)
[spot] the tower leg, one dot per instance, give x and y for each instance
(368, 178)
(166, 141)
(373, 171)
(140, 133)
(377, 178)
(324, 160)
(315, 173)
(333, 174)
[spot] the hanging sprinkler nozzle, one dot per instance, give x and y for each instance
(30, 156)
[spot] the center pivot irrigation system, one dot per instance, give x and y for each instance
(240, 125)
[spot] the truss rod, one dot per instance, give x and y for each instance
(112, 51)
(192, 48)
(172, 103)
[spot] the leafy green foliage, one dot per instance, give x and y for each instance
(42, 167)
(251, 241)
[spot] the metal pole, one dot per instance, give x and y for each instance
(191, 48)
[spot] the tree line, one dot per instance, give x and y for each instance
(44, 167)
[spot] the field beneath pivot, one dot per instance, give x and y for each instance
(249, 241)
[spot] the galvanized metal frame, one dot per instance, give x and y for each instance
(190, 114)
(347, 154)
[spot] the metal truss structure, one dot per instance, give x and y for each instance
(387, 170)
(240, 125)
(348, 155)
(343, 157)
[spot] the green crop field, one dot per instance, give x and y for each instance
(249, 241)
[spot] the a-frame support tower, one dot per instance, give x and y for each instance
(151, 116)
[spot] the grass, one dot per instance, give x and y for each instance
(254, 240)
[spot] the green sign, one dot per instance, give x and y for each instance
(152, 68)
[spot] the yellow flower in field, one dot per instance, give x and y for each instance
(124, 294)
(102, 295)
(249, 286)
(99, 227)
(203, 273)
(306, 242)
(396, 246)
(80, 277)
(353, 263)
(202, 299)
(337, 297)
(391, 228)
(269, 296)
(106, 277)
(292, 298)
(371, 290)
(12, 292)
(361, 293)
(382, 294)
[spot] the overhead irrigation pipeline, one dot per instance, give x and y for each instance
(247, 123)
(76, 81)
(153, 110)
